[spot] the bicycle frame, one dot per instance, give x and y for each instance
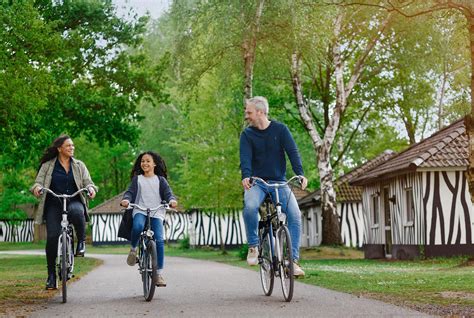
(281, 216)
(279, 252)
(147, 250)
(65, 263)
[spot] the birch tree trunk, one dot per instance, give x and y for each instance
(322, 146)
(469, 120)
(248, 47)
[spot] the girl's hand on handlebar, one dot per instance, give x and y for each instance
(125, 203)
(173, 204)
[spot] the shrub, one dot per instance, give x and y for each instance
(243, 251)
(184, 243)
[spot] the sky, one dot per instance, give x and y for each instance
(155, 7)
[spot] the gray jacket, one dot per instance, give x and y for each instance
(44, 176)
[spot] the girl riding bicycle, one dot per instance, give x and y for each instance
(148, 189)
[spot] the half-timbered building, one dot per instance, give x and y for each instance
(349, 208)
(417, 203)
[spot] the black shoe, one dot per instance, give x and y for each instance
(51, 282)
(81, 248)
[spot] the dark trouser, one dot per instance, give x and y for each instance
(53, 227)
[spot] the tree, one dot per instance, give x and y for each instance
(343, 89)
(68, 69)
(411, 9)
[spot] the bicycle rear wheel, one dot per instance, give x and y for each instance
(63, 268)
(267, 276)
(286, 263)
(149, 270)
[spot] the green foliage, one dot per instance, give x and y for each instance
(109, 166)
(72, 67)
(184, 243)
(243, 250)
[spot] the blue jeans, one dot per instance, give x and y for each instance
(254, 197)
(157, 227)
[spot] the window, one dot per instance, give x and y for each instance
(375, 209)
(409, 206)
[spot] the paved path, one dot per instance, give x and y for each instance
(203, 289)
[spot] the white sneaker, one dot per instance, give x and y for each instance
(297, 271)
(132, 257)
(160, 281)
(252, 256)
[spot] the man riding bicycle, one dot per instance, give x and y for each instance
(262, 154)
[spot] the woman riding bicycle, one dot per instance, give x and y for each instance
(147, 189)
(63, 174)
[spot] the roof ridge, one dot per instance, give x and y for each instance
(357, 171)
(107, 201)
(437, 147)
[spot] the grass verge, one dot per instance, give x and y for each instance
(23, 280)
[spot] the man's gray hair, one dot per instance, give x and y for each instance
(260, 103)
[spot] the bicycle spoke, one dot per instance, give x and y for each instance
(266, 268)
(286, 263)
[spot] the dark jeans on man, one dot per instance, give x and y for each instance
(53, 215)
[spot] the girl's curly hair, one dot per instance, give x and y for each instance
(160, 168)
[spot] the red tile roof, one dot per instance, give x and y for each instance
(448, 147)
(112, 205)
(344, 191)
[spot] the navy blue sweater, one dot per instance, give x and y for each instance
(262, 152)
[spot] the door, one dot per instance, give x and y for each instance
(387, 223)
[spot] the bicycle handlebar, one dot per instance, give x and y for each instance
(166, 206)
(275, 185)
(67, 196)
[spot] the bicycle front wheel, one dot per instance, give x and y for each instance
(63, 268)
(266, 267)
(149, 270)
(286, 263)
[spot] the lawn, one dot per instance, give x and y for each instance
(23, 279)
(442, 286)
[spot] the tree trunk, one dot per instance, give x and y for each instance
(469, 120)
(331, 227)
(248, 46)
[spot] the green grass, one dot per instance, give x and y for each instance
(443, 286)
(443, 282)
(23, 280)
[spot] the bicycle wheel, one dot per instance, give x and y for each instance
(149, 270)
(63, 265)
(286, 263)
(267, 276)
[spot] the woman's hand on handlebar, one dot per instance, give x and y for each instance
(37, 191)
(125, 203)
(91, 192)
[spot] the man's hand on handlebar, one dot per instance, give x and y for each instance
(125, 203)
(246, 183)
(303, 182)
